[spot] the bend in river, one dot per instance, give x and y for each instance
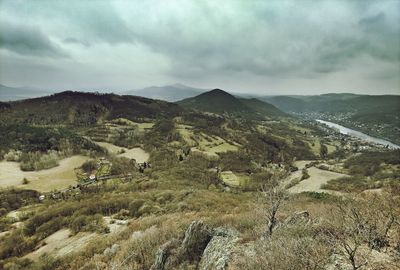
(358, 134)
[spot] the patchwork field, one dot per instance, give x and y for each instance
(136, 153)
(58, 177)
(205, 143)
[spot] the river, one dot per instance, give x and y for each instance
(358, 134)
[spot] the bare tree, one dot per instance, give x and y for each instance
(274, 198)
(350, 235)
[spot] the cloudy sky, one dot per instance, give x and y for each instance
(266, 47)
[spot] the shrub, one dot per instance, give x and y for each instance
(89, 166)
(304, 174)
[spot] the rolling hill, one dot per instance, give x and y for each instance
(170, 93)
(81, 108)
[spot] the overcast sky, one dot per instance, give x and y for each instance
(265, 47)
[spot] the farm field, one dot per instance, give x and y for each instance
(205, 143)
(316, 180)
(136, 153)
(58, 177)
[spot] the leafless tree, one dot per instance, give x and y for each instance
(350, 234)
(274, 198)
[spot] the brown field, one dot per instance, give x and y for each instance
(317, 179)
(58, 177)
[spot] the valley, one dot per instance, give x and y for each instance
(110, 180)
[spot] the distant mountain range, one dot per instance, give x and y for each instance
(220, 102)
(8, 93)
(170, 93)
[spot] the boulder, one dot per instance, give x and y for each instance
(111, 251)
(196, 239)
(218, 251)
(201, 248)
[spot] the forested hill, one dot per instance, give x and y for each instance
(218, 101)
(80, 108)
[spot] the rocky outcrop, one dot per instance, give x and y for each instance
(202, 248)
(218, 251)
(163, 255)
(196, 239)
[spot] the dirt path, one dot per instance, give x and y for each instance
(58, 177)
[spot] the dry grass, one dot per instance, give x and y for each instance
(58, 177)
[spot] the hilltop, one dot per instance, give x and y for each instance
(81, 108)
(219, 101)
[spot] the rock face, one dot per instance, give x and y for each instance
(196, 239)
(201, 247)
(162, 255)
(218, 251)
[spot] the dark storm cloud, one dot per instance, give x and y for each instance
(27, 40)
(155, 42)
(71, 40)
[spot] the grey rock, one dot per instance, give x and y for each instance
(196, 239)
(162, 255)
(218, 251)
(111, 251)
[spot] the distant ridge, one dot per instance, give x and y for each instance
(170, 93)
(8, 93)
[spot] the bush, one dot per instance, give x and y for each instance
(35, 161)
(93, 223)
(134, 207)
(304, 174)
(16, 244)
(89, 166)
